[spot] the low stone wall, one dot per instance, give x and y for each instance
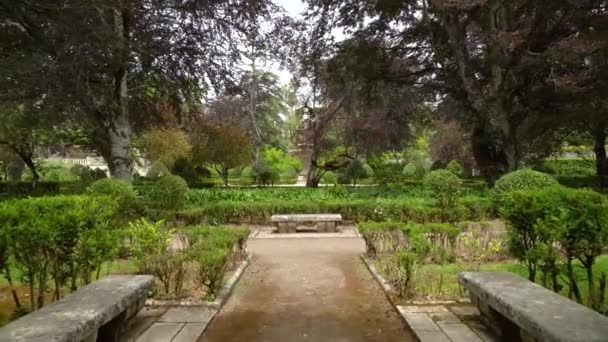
(97, 312)
(519, 310)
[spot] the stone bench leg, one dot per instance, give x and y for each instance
(500, 325)
(326, 227)
(116, 328)
(287, 227)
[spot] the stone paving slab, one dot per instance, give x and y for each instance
(432, 336)
(420, 322)
(465, 310)
(161, 332)
(190, 332)
(422, 309)
(188, 315)
(436, 323)
(458, 332)
(445, 317)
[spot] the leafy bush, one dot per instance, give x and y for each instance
(523, 180)
(541, 220)
(120, 190)
(170, 192)
(87, 175)
(455, 167)
(414, 170)
(355, 171)
(209, 250)
(329, 178)
(445, 187)
(578, 167)
(184, 168)
(63, 240)
(263, 173)
(280, 161)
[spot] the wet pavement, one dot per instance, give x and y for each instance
(307, 290)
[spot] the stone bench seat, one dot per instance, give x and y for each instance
(519, 310)
(325, 223)
(97, 312)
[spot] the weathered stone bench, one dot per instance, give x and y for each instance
(519, 310)
(97, 312)
(325, 223)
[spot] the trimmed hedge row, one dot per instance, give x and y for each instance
(415, 210)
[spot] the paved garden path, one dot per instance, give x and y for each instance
(307, 290)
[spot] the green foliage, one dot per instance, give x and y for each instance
(169, 192)
(455, 167)
(541, 220)
(523, 180)
(578, 167)
(413, 170)
(166, 145)
(329, 178)
(60, 240)
(184, 168)
(123, 192)
(355, 171)
(150, 248)
(445, 188)
(86, 175)
(281, 161)
(209, 250)
(263, 173)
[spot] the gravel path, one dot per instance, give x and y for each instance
(307, 290)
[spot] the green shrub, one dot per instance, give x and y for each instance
(120, 190)
(289, 172)
(541, 220)
(150, 248)
(213, 263)
(355, 171)
(63, 240)
(329, 178)
(523, 180)
(414, 170)
(578, 167)
(455, 167)
(87, 175)
(263, 173)
(169, 192)
(445, 188)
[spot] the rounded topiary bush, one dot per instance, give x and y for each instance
(523, 180)
(454, 167)
(169, 192)
(117, 189)
(444, 186)
(413, 170)
(329, 177)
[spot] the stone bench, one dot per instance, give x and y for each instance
(325, 223)
(97, 312)
(519, 310)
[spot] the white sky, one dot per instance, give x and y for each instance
(293, 8)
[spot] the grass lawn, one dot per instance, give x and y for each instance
(441, 282)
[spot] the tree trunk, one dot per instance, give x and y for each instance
(31, 165)
(601, 160)
(119, 128)
(312, 179)
(490, 159)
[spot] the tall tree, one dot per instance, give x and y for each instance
(489, 58)
(107, 56)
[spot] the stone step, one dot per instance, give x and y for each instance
(435, 323)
